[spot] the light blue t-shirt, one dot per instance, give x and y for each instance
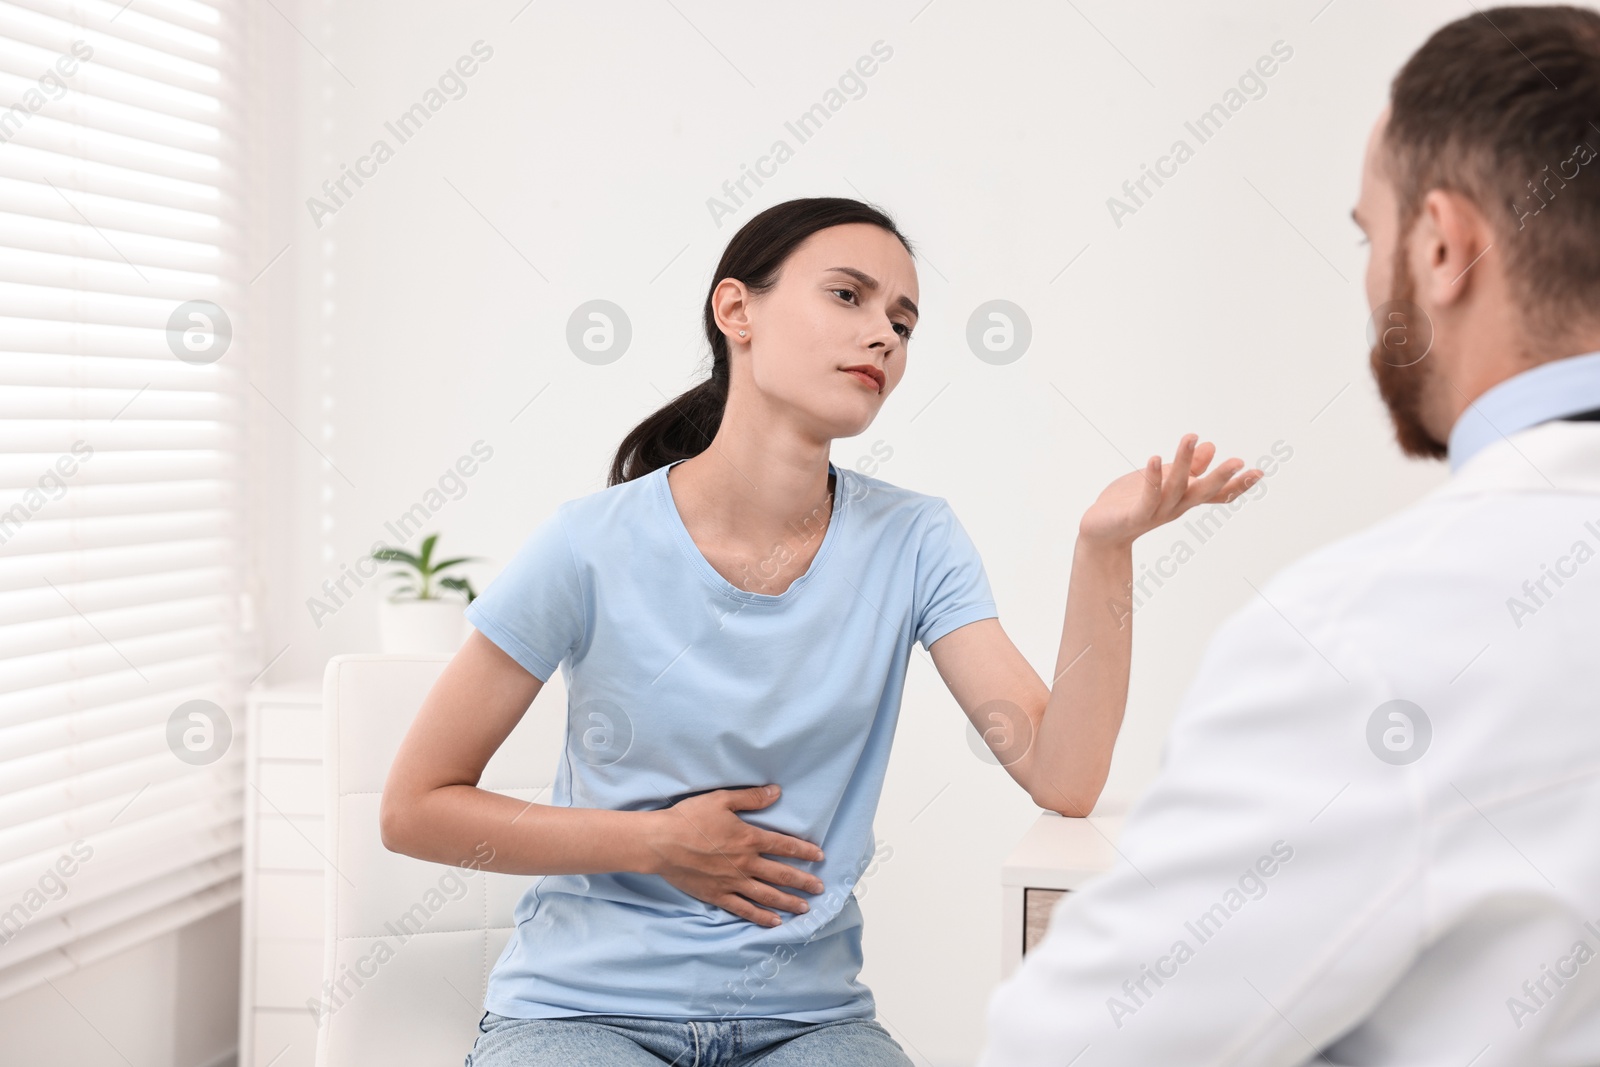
(679, 683)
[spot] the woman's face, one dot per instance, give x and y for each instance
(845, 297)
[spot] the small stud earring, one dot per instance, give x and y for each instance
(741, 333)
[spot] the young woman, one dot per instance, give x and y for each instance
(735, 615)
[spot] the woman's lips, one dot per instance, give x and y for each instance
(861, 376)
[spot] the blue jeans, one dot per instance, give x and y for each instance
(626, 1040)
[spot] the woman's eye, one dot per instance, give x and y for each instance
(897, 326)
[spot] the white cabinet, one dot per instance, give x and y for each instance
(281, 955)
(1056, 856)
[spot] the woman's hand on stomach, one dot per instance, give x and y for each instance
(703, 848)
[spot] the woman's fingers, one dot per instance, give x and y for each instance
(1237, 486)
(1204, 453)
(751, 892)
(1177, 476)
(746, 910)
(741, 894)
(746, 893)
(1205, 490)
(1150, 495)
(1230, 489)
(773, 843)
(783, 874)
(762, 893)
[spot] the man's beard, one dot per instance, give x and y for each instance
(1403, 376)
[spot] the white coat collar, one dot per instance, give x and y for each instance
(1560, 456)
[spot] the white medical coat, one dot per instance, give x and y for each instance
(1310, 874)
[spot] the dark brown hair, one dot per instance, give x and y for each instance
(685, 426)
(1502, 107)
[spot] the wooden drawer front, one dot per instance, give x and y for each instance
(1036, 905)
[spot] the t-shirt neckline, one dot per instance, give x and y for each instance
(714, 579)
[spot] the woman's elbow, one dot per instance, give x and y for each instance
(395, 823)
(1072, 807)
(1074, 803)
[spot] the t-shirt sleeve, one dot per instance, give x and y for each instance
(534, 609)
(952, 587)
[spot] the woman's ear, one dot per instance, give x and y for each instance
(730, 303)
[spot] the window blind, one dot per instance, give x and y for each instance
(121, 456)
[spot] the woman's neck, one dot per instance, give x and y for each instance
(752, 502)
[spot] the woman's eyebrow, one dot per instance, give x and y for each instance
(869, 282)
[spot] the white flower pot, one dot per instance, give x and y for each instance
(422, 625)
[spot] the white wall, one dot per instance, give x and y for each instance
(432, 306)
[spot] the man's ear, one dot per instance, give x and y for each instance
(1450, 242)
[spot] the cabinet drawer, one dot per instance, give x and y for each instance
(289, 788)
(289, 731)
(285, 1039)
(293, 843)
(288, 904)
(288, 973)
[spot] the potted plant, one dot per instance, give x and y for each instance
(415, 617)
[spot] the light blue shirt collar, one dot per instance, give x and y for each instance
(1549, 391)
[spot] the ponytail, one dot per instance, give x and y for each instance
(683, 428)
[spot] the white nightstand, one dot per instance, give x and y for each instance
(1055, 856)
(281, 951)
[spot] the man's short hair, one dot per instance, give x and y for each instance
(1503, 106)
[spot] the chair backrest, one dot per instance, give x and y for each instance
(409, 944)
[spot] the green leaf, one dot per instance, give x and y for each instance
(427, 551)
(460, 585)
(437, 567)
(395, 555)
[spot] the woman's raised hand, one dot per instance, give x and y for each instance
(707, 851)
(1141, 500)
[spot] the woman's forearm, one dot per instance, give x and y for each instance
(1071, 755)
(463, 825)
(1089, 687)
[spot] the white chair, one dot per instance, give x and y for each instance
(408, 944)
